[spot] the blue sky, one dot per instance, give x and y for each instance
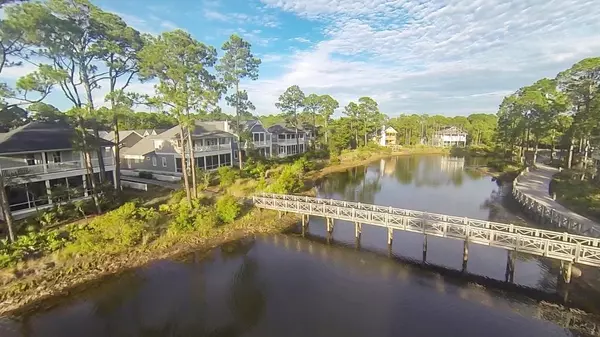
(451, 57)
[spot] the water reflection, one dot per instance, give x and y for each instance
(282, 285)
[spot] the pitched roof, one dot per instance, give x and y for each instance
(280, 128)
(122, 135)
(450, 130)
(41, 136)
(202, 130)
(143, 147)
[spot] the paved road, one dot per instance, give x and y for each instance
(536, 184)
(173, 186)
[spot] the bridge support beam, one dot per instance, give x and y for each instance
(425, 248)
(465, 255)
(304, 224)
(510, 267)
(329, 228)
(567, 268)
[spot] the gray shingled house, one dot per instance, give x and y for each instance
(40, 157)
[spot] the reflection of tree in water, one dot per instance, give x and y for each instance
(353, 185)
(406, 168)
(247, 301)
(429, 171)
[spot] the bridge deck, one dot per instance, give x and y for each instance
(552, 244)
(532, 189)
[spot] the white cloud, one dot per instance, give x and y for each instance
(15, 72)
(451, 56)
(301, 40)
(263, 19)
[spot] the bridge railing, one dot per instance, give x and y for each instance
(553, 216)
(523, 239)
(498, 226)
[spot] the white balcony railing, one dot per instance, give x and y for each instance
(40, 169)
(212, 148)
(259, 143)
(32, 170)
(289, 141)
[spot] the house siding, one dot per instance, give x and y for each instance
(146, 164)
(131, 140)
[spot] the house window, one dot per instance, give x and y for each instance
(225, 159)
(164, 161)
(281, 150)
(178, 166)
(56, 157)
(235, 155)
(153, 161)
(30, 159)
(222, 140)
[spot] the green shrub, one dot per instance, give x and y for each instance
(145, 175)
(188, 218)
(255, 168)
(227, 175)
(227, 208)
(114, 231)
(31, 245)
(288, 181)
(303, 164)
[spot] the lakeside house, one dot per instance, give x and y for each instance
(450, 136)
(386, 136)
(261, 139)
(284, 140)
(39, 158)
(212, 143)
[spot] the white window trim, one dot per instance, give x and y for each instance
(154, 162)
(164, 161)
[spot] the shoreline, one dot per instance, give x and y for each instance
(29, 294)
(37, 291)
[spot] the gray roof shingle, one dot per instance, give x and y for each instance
(41, 136)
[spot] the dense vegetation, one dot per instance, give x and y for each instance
(561, 111)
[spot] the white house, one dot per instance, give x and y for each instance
(451, 136)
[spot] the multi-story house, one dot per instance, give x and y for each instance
(212, 143)
(386, 136)
(451, 136)
(261, 138)
(41, 167)
(284, 141)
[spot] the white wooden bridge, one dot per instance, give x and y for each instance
(568, 248)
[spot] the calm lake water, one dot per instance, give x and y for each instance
(287, 285)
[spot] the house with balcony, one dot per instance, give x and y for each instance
(211, 141)
(41, 167)
(386, 136)
(284, 141)
(450, 136)
(260, 139)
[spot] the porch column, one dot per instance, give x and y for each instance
(45, 161)
(115, 179)
(218, 160)
(85, 190)
(48, 190)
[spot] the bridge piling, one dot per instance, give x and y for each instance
(510, 267)
(425, 248)
(390, 236)
(567, 269)
(465, 255)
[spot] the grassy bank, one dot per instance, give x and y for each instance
(580, 196)
(50, 261)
